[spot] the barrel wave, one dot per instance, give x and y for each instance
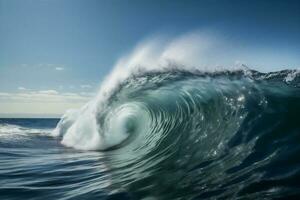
(167, 123)
(199, 134)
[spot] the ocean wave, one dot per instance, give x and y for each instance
(215, 127)
(201, 132)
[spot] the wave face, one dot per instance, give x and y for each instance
(215, 134)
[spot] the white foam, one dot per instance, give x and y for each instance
(291, 76)
(83, 133)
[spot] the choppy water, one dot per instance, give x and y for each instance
(164, 135)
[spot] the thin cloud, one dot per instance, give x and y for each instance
(86, 86)
(56, 67)
(59, 68)
(49, 92)
(21, 88)
(43, 96)
(44, 102)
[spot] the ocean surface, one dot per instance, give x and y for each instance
(163, 135)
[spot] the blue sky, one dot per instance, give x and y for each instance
(62, 49)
